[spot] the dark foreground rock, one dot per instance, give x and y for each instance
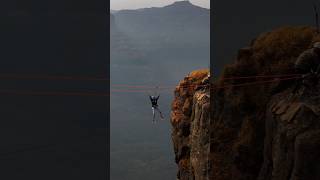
(292, 138)
(261, 127)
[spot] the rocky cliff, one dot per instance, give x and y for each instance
(258, 124)
(190, 120)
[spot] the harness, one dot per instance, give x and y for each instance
(154, 101)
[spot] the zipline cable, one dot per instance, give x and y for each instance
(48, 93)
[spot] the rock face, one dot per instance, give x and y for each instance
(262, 127)
(190, 119)
(260, 130)
(292, 138)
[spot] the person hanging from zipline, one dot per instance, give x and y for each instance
(155, 107)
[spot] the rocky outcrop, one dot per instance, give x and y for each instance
(263, 127)
(190, 119)
(292, 138)
(253, 135)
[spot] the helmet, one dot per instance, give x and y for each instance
(316, 45)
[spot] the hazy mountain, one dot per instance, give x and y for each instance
(180, 22)
(151, 46)
(112, 23)
(121, 47)
(113, 11)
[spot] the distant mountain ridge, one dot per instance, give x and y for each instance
(178, 4)
(151, 46)
(178, 30)
(113, 11)
(180, 22)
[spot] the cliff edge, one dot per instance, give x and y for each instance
(256, 123)
(190, 120)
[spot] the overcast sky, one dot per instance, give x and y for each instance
(135, 4)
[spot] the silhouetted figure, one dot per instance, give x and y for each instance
(154, 103)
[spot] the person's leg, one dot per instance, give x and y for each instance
(153, 115)
(161, 116)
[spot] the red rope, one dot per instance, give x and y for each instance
(185, 86)
(265, 76)
(38, 93)
(256, 83)
(134, 90)
(48, 77)
(217, 87)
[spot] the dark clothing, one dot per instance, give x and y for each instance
(154, 101)
(308, 61)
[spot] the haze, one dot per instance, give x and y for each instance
(150, 48)
(136, 4)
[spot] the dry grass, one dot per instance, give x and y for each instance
(283, 44)
(274, 52)
(199, 74)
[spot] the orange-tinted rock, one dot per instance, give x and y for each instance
(189, 101)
